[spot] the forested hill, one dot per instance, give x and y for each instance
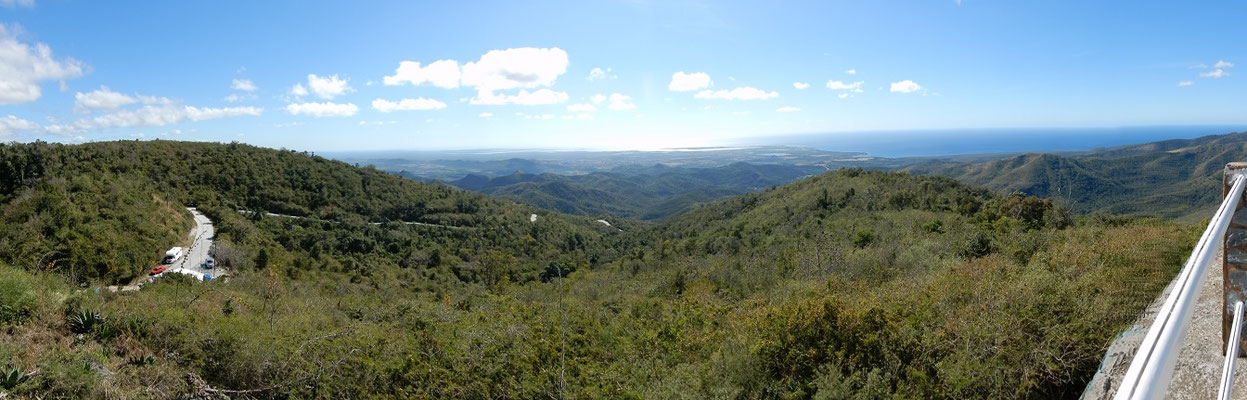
(650, 193)
(849, 284)
(109, 209)
(1172, 179)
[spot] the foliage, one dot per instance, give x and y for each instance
(957, 293)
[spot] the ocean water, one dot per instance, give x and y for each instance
(911, 143)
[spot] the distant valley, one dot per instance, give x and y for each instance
(1169, 179)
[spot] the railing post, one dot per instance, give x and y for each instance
(1233, 261)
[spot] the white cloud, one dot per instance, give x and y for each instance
(243, 84)
(11, 124)
(421, 103)
(599, 98)
(235, 97)
(787, 109)
(850, 71)
(1217, 73)
(682, 82)
(486, 115)
(597, 74)
(155, 100)
(101, 99)
(621, 102)
(1223, 64)
(905, 86)
(442, 73)
(22, 67)
(838, 85)
(519, 68)
(581, 108)
(327, 87)
(17, 3)
(538, 116)
(524, 97)
(740, 93)
(843, 95)
(150, 115)
(800, 85)
(326, 109)
(1185, 83)
(298, 90)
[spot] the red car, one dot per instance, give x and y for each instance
(158, 270)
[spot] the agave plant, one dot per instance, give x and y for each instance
(141, 360)
(11, 376)
(83, 321)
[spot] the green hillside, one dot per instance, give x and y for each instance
(1177, 179)
(648, 193)
(850, 284)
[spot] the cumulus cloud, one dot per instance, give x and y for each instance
(597, 74)
(1223, 64)
(787, 109)
(850, 71)
(326, 109)
(524, 68)
(421, 103)
(1216, 73)
(101, 99)
(843, 95)
(327, 87)
(298, 90)
(243, 84)
(838, 85)
(800, 85)
(12, 124)
(441, 73)
(905, 86)
(486, 115)
(524, 97)
(1185, 83)
(235, 97)
(620, 102)
(599, 98)
(151, 115)
(519, 68)
(581, 108)
(682, 82)
(23, 66)
(740, 93)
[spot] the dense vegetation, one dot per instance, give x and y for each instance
(648, 193)
(851, 284)
(1173, 179)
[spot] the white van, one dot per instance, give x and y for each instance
(172, 255)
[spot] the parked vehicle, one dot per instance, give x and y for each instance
(158, 270)
(172, 255)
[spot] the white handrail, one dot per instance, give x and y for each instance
(1152, 368)
(1231, 353)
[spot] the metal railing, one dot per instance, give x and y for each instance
(1151, 369)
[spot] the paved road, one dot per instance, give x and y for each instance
(197, 254)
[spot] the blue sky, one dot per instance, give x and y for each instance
(520, 74)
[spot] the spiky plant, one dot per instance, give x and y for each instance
(11, 376)
(82, 321)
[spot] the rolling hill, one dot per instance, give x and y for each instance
(1172, 179)
(648, 193)
(849, 283)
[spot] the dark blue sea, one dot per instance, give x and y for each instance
(910, 143)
